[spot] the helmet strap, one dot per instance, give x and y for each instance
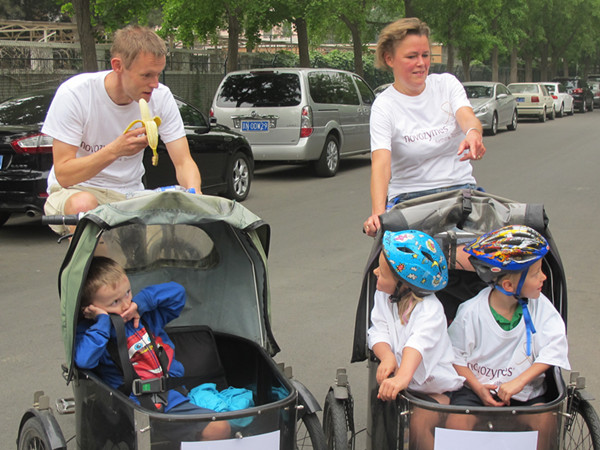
(530, 328)
(399, 292)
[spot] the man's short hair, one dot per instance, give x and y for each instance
(102, 272)
(132, 40)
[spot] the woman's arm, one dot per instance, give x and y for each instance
(381, 173)
(473, 130)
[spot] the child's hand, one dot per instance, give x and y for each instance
(92, 312)
(390, 387)
(484, 392)
(508, 389)
(386, 367)
(132, 313)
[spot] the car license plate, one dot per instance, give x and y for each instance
(520, 99)
(255, 125)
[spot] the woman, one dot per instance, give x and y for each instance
(423, 129)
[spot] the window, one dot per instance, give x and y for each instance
(365, 91)
(332, 88)
(256, 89)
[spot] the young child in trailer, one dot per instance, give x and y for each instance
(107, 291)
(507, 336)
(408, 327)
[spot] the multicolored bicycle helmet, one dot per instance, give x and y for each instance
(417, 259)
(510, 249)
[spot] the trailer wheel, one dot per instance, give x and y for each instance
(309, 434)
(33, 436)
(583, 427)
(335, 424)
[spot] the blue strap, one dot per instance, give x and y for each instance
(530, 329)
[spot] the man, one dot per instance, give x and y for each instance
(94, 161)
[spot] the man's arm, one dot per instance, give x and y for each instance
(71, 170)
(186, 169)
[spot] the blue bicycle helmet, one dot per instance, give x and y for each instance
(417, 259)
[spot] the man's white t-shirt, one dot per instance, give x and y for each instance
(425, 332)
(495, 355)
(82, 114)
(423, 135)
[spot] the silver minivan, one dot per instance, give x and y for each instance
(297, 114)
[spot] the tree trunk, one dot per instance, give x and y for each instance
(466, 66)
(495, 65)
(408, 9)
(450, 61)
(514, 65)
(528, 67)
(544, 62)
(565, 67)
(356, 44)
(232, 41)
(86, 37)
(302, 32)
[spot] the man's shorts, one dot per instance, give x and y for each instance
(55, 203)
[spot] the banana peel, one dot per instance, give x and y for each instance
(151, 125)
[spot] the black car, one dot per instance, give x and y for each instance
(583, 98)
(223, 156)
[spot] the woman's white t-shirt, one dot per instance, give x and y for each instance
(423, 135)
(82, 114)
(425, 332)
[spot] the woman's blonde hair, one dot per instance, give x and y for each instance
(132, 40)
(102, 272)
(395, 33)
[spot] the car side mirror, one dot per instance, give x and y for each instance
(499, 96)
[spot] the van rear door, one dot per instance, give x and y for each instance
(264, 106)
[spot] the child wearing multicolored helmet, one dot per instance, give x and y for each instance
(510, 334)
(408, 326)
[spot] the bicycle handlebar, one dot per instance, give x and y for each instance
(68, 219)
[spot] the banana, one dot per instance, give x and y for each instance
(151, 125)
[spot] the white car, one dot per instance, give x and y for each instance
(533, 100)
(563, 101)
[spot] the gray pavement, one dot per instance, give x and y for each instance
(316, 263)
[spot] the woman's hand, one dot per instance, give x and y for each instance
(473, 142)
(387, 366)
(371, 225)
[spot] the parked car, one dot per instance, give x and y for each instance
(223, 156)
(594, 82)
(563, 101)
(382, 87)
(533, 100)
(296, 115)
(493, 104)
(581, 92)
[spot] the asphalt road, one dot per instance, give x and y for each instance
(316, 263)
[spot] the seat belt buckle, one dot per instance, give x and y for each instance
(150, 386)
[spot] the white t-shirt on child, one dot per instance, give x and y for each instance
(426, 332)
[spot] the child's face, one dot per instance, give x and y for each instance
(114, 299)
(532, 286)
(386, 282)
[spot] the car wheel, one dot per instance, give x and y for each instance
(239, 177)
(552, 114)
(512, 126)
(561, 112)
(4, 216)
(328, 163)
(572, 110)
(494, 128)
(583, 107)
(544, 115)
(592, 105)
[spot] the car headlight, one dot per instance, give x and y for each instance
(481, 110)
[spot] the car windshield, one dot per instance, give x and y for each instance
(26, 110)
(524, 88)
(258, 89)
(479, 91)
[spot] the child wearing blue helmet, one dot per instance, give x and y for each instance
(510, 334)
(408, 327)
